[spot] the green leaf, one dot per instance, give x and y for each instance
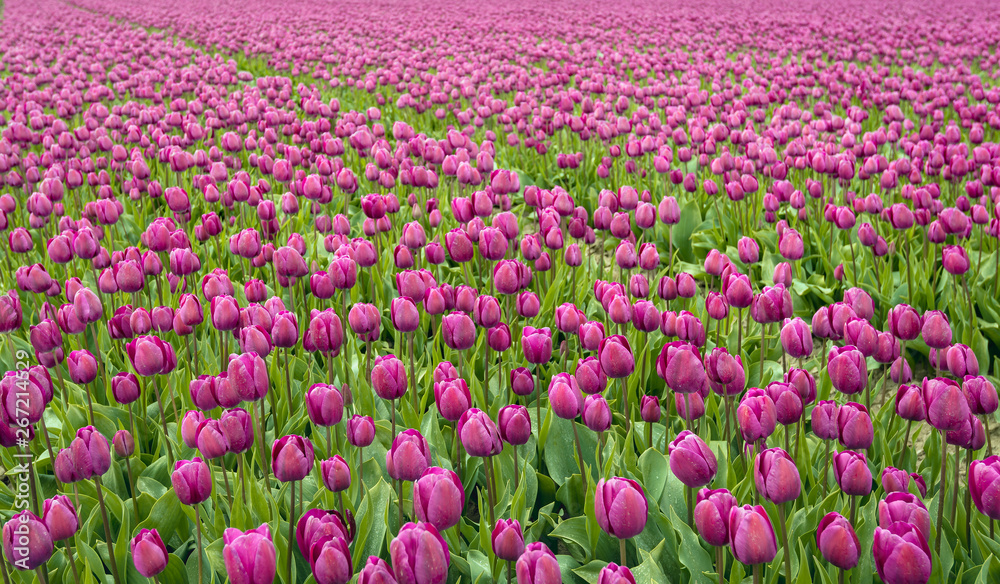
(372, 520)
(692, 555)
(479, 567)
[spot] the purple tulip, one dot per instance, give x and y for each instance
(620, 506)
(905, 507)
(538, 565)
(776, 476)
(419, 555)
(751, 536)
(901, 554)
(452, 398)
(757, 415)
(149, 554)
(479, 434)
(854, 426)
(947, 407)
(711, 515)
(291, 458)
(60, 518)
(336, 474)
(507, 539)
(984, 484)
(837, 541)
(360, 430)
(324, 404)
(388, 377)
(438, 498)
(409, 456)
(852, 473)
(691, 460)
(249, 556)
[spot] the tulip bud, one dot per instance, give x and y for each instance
(691, 460)
(620, 506)
(291, 458)
(409, 456)
(776, 476)
(837, 541)
(192, 481)
(249, 553)
(751, 536)
(149, 554)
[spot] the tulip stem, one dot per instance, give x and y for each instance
(131, 482)
(784, 542)
(826, 468)
(413, 375)
(941, 493)
(756, 574)
(954, 490)
(688, 492)
(69, 557)
(197, 530)
(720, 563)
(107, 530)
(225, 478)
(260, 436)
(621, 547)
(163, 422)
(288, 386)
(510, 580)
(763, 349)
(243, 486)
(488, 469)
(579, 450)
(291, 530)
(840, 576)
(517, 470)
(906, 439)
(968, 502)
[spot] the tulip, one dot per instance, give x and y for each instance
(615, 574)
(324, 404)
(620, 506)
(409, 456)
(711, 515)
(852, 473)
(936, 330)
(514, 424)
(458, 330)
(479, 434)
(452, 398)
(419, 555)
(376, 571)
(947, 407)
(962, 361)
(904, 507)
(590, 376)
(847, 369)
(854, 426)
(902, 555)
(249, 556)
(776, 476)
(895, 480)
(330, 559)
(904, 322)
(757, 416)
(336, 474)
(751, 536)
(317, 525)
(438, 498)
(981, 395)
(507, 539)
(681, 367)
(192, 481)
(210, 440)
(565, 397)
(537, 344)
(837, 541)
(149, 554)
(388, 377)
(538, 565)
(796, 338)
(360, 430)
(60, 518)
(616, 357)
(691, 460)
(27, 543)
(291, 458)
(787, 402)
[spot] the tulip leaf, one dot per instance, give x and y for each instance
(692, 556)
(649, 570)
(574, 531)
(372, 519)
(590, 571)
(479, 567)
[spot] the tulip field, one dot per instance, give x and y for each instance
(484, 293)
